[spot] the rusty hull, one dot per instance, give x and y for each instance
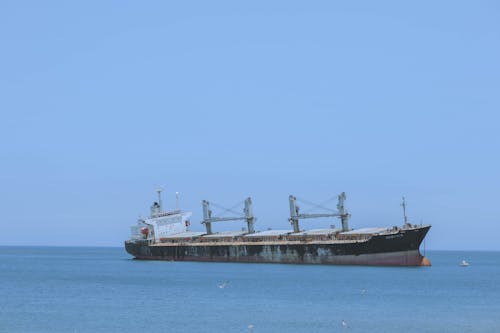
(401, 249)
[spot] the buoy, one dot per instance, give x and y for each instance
(145, 231)
(464, 263)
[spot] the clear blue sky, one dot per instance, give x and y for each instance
(101, 101)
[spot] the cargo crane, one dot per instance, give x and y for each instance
(341, 213)
(208, 219)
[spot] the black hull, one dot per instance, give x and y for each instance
(400, 249)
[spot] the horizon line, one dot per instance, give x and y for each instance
(118, 247)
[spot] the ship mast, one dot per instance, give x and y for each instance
(403, 204)
(159, 190)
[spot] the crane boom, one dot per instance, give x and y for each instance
(295, 216)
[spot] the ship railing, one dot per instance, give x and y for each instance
(355, 237)
(173, 212)
(310, 238)
(277, 239)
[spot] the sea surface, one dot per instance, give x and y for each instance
(58, 289)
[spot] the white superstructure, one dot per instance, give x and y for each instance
(161, 224)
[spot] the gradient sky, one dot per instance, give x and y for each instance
(102, 101)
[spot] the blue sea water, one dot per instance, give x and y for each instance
(56, 289)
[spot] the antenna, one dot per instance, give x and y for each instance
(159, 190)
(403, 204)
(177, 200)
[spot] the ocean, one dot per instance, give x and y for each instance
(64, 289)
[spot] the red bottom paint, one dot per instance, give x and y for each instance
(403, 258)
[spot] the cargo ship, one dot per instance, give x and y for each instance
(166, 235)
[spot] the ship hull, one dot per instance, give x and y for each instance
(400, 249)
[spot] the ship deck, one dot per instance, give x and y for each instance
(270, 242)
